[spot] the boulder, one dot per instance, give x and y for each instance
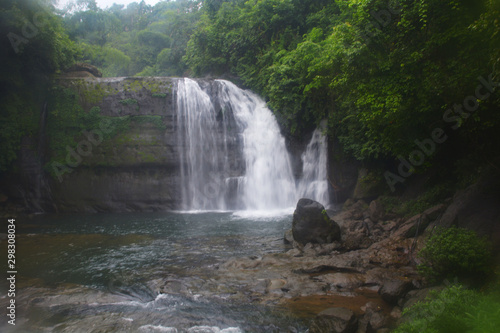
(476, 208)
(393, 290)
(311, 224)
(334, 320)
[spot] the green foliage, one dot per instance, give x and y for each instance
(128, 101)
(155, 120)
(34, 46)
(135, 40)
(66, 119)
(380, 88)
(453, 310)
(159, 95)
(412, 207)
(456, 253)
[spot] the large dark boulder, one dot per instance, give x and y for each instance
(311, 224)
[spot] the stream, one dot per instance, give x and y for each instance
(149, 272)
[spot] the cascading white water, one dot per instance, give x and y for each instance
(233, 155)
(202, 157)
(314, 181)
(268, 182)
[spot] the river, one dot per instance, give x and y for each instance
(149, 272)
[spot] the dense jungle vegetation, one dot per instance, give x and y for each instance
(385, 74)
(391, 77)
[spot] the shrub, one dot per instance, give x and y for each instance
(455, 253)
(441, 312)
(453, 310)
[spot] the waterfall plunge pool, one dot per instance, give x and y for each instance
(148, 272)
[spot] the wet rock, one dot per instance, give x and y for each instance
(393, 290)
(364, 326)
(275, 285)
(396, 312)
(310, 250)
(334, 320)
(325, 249)
(288, 238)
(311, 224)
(375, 316)
(294, 253)
(357, 241)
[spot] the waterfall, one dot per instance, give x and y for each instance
(203, 158)
(268, 182)
(233, 156)
(314, 181)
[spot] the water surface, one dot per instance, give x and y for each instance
(143, 272)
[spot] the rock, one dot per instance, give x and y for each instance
(476, 208)
(378, 320)
(419, 295)
(334, 320)
(311, 224)
(396, 312)
(369, 184)
(434, 212)
(416, 225)
(376, 210)
(392, 290)
(364, 326)
(357, 241)
(375, 316)
(288, 238)
(294, 253)
(84, 67)
(413, 227)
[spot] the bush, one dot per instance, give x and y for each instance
(453, 310)
(455, 253)
(441, 312)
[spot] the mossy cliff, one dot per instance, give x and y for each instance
(112, 145)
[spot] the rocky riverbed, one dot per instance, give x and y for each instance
(359, 283)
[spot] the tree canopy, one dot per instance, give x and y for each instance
(384, 73)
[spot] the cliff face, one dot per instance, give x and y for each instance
(123, 144)
(115, 167)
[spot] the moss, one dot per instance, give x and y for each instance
(91, 92)
(67, 119)
(128, 101)
(155, 120)
(158, 95)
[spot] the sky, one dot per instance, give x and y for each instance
(107, 3)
